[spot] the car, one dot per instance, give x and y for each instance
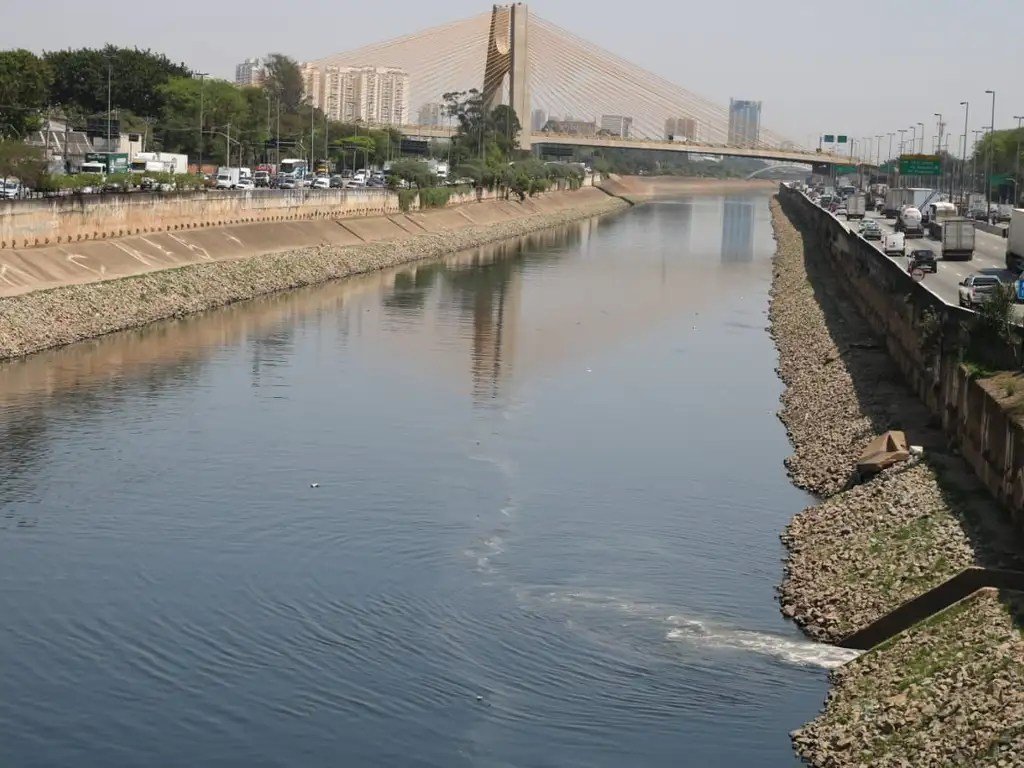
(245, 183)
(869, 230)
(975, 290)
(10, 189)
(337, 182)
(922, 258)
(840, 211)
(321, 182)
(347, 173)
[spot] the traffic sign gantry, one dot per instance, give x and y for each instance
(920, 165)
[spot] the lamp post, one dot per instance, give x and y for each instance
(1016, 172)
(922, 137)
(888, 176)
(963, 166)
(202, 82)
(974, 157)
(991, 147)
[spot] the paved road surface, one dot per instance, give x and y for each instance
(989, 258)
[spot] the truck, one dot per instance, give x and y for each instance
(893, 244)
(935, 214)
(956, 237)
(908, 221)
(264, 174)
(111, 162)
(921, 196)
(856, 206)
(1015, 241)
(227, 178)
(895, 199)
(159, 162)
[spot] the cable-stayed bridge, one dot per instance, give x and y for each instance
(541, 70)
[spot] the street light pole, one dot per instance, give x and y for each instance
(922, 137)
(1016, 172)
(963, 166)
(202, 82)
(888, 176)
(991, 147)
(110, 68)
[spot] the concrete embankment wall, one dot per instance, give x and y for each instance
(32, 269)
(61, 294)
(83, 218)
(925, 338)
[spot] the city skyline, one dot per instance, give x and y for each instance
(765, 53)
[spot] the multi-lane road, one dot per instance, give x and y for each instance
(989, 258)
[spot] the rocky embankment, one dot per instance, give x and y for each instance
(869, 547)
(44, 319)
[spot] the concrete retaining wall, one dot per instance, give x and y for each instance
(82, 218)
(33, 269)
(903, 313)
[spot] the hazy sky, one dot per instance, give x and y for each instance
(861, 68)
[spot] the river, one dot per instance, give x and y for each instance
(517, 508)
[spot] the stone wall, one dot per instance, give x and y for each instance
(924, 336)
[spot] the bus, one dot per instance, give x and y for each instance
(293, 169)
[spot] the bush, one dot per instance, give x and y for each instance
(405, 198)
(434, 197)
(994, 341)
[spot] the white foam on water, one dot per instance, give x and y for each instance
(804, 653)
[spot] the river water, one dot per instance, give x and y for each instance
(544, 533)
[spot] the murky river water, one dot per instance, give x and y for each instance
(545, 530)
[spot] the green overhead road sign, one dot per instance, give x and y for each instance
(841, 169)
(829, 138)
(841, 139)
(920, 165)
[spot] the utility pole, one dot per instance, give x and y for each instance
(922, 137)
(227, 145)
(110, 69)
(202, 82)
(888, 176)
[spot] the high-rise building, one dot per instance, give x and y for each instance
(616, 125)
(677, 128)
(538, 120)
(371, 94)
(432, 114)
(312, 84)
(251, 72)
(744, 122)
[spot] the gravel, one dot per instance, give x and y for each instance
(45, 319)
(951, 690)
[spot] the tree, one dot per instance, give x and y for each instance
(24, 90)
(284, 78)
(136, 76)
(414, 172)
(22, 162)
(223, 105)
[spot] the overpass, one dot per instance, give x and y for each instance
(786, 154)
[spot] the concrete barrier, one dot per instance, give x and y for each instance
(999, 230)
(925, 338)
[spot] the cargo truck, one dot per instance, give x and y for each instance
(856, 205)
(908, 221)
(956, 237)
(937, 213)
(227, 178)
(1015, 241)
(895, 199)
(159, 162)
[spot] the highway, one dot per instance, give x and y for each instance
(989, 258)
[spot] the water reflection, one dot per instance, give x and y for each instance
(738, 230)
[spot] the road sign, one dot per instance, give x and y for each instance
(917, 274)
(829, 138)
(845, 169)
(920, 165)
(840, 139)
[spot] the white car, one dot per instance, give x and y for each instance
(9, 189)
(975, 290)
(245, 183)
(322, 182)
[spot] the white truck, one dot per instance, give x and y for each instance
(893, 244)
(956, 237)
(227, 178)
(159, 162)
(895, 199)
(1015, 241)
(908, 221)
(935, 214)
(856, 206)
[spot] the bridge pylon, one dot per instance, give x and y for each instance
(507, 55)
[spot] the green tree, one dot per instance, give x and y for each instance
(414, 172)
(136, 77)
(24, 90)
(22, 162)
(225, 112)
(284, 78)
